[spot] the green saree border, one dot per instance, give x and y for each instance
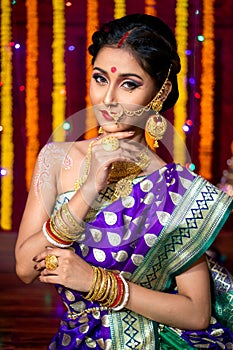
(132, 331)
(189, 232)
(191, 229)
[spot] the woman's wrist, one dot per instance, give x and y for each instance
(108, 288)
(88, 193)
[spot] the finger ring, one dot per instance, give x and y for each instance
(51, 262)
(110, 143)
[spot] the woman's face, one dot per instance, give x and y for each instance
(118, 80)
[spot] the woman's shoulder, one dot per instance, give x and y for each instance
(63, 149)
(55, 148)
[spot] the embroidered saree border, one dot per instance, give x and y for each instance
(222, 298)
(132, 331)
(191, 229)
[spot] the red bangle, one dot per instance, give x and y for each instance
(120, 291)
(54, 237)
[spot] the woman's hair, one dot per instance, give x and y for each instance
(151, 42)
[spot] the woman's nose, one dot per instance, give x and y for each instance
(109, 97)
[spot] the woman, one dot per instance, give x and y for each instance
(121, 233)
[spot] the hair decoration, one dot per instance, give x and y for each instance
(121, 42)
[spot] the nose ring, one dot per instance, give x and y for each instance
(116, 115)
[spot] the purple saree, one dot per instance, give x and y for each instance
(170, 219)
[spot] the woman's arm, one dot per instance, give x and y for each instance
(30, 240)
(40, 203)
(43, 192)
(189, 309)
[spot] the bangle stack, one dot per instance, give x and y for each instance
(109, 289)
(62, 229)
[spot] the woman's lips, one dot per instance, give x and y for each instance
(106, 115)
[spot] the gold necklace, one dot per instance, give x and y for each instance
(124, 186)
(79, 182)
(120, 170)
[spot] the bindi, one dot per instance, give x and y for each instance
(113, 69)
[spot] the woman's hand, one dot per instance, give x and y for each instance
(102, 160)
(72, 271)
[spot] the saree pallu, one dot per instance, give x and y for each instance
(169, 220)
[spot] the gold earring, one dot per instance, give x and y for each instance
(156, 127)
(101, 131)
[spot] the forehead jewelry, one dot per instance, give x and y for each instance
(113, 69)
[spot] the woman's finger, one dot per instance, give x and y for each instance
(49, 250)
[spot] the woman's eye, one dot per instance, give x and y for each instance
(130, 85)
(99, 79)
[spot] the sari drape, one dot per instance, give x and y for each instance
(169, 220)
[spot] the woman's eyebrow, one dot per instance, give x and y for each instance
(131, 75)
(100, 69)
(122, 75)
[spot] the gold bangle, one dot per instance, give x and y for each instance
(92, 289)
(56, 229)
(108, 288)
(97, 286)
(70, 218)
(103, 285)
(61, 226)
(113, 291)
(63, 232)
(56, 232)
(70, 232)
(59, 221)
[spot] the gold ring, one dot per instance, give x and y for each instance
(51, 262)
(110, 143)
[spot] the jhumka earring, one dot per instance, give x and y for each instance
(156, 124)
(156, 127)
(100, 131)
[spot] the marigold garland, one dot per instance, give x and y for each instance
(7, 146)
(151, 7)
(92, 23)
(119, 8)
(32, 109)
(180, 115)
(58, 93)
(207, 92)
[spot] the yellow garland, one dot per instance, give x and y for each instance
(119, 8)
(7, 147)
(150, 7)
(32, 110)
(92, 23)
(207, 92)
(180, 114)
(58, 93)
